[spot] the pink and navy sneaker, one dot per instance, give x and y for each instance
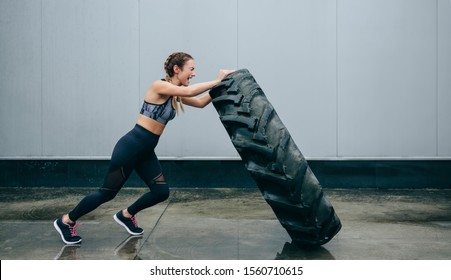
(130, 224)
(67, 232)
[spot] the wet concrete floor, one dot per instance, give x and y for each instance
(226, 224)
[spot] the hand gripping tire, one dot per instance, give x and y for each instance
(274, 161)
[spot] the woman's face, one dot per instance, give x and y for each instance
(187, 73)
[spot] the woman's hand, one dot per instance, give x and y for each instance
(223, 73)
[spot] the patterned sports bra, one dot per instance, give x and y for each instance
(162, 113)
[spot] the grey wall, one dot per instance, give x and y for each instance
(359, 79)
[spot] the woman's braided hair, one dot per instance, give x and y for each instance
(179, 59)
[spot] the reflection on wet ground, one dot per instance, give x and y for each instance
(216, 224)
(292, 251)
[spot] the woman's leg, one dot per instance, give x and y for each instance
(65, 225)
(149, 169)
(151, 173)
(159, 191)
(123, 160)
(114, 181)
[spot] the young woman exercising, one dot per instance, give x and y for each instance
(136, 149)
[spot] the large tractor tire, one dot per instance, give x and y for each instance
(274, 161)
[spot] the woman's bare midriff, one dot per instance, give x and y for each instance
(150, 124)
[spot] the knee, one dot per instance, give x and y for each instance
(163, 191)
(159, 188)
(107, 195)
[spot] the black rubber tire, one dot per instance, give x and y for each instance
(274, 161)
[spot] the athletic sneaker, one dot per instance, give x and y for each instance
(130, 224)
(67, 232)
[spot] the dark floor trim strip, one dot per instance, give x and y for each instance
(231, 173)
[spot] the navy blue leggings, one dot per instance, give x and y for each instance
(134, 151)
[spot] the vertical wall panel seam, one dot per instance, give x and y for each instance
(336, 82)
(42, 81)
(139, 51)
(437, 127)
(237, 33)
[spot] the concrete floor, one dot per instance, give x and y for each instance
(226, 224)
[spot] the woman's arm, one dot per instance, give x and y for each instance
(198, 102)
(166, 88)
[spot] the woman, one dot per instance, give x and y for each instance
(136, 150)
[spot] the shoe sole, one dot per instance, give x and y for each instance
(128, 230)
(55, 224)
